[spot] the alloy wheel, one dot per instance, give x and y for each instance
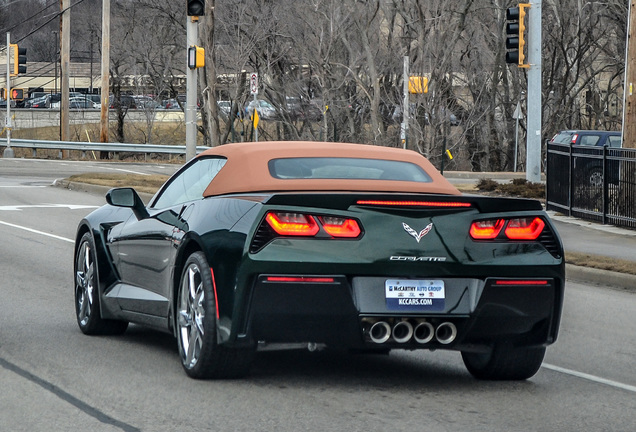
(84, 277)
(191, 316)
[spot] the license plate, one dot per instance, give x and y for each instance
(414, 295)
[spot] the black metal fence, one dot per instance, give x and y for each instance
(593, 183)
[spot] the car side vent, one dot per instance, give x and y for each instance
(263, 235)
(549, 241)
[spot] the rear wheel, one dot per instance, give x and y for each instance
(87, 295)
(504, 362)
(595, 177)
(201, 355)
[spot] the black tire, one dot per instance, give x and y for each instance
(87, 309)
(504, 362)
(595, 177)
(201, 355)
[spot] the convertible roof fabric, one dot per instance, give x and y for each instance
(246, 169)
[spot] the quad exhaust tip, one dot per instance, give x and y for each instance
(446, 333)
(424, 332)
(403, 331)
(380, 332)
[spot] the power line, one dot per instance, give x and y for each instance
(53, 2)
(55, 15)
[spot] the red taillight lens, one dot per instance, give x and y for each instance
(574, 138)
(340, 227)
(522, 282)
(299, 279)
(292, 224)
(524, 228)
(414, 203)
(486, 229)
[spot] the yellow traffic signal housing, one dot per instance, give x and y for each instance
(418, 84)
(196, 57)
(515, 35)
(19, 59)
(17, 93)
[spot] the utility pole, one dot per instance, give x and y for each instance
(406, 109)
(629, 104)
(534, 135)
(65, 52)
(103, 134)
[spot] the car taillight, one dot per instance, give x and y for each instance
(305, 225)
(486, 229)
(574, 138)
(524, 228)
(292, 224)
(340, 227)
(385, 203)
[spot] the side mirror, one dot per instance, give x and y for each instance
(127, 197)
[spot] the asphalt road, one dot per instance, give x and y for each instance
(53, 378)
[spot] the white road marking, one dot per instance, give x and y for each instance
(589, 377)
(66, 206)
(37, 232)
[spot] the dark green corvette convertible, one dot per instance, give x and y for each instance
(331, 245)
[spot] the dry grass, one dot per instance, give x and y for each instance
(600, 262)
(517, 187)
(142, 183)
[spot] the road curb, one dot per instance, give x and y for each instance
(599, 277)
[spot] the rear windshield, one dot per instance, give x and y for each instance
(347, 168)
(563, 138)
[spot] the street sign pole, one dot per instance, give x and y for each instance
(191, 92)
(254, 90)
(8, 152)
(517, 116)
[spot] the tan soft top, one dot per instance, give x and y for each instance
(246, 169)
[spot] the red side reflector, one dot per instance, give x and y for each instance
(216, 299)
(296, 279)
(521, 282)
(486, 229)
(524, 228)
(414, 203)
(292, 224)
(340, 227)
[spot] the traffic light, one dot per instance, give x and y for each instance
(196, 7)
(196, 57)
(2, 93)
(515, 35)
(19, 59)
(17, 94)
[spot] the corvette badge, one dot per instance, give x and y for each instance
(417, 236)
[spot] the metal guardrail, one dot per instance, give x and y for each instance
(97, 146)
(592, 183)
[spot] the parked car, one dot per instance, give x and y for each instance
(172, 104)
(81, 102)
(349, 246)
(146, 103)
(266, 111)
(589, 171)
(3, 103)
(126, 102)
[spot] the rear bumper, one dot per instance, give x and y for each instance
(341, 312)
